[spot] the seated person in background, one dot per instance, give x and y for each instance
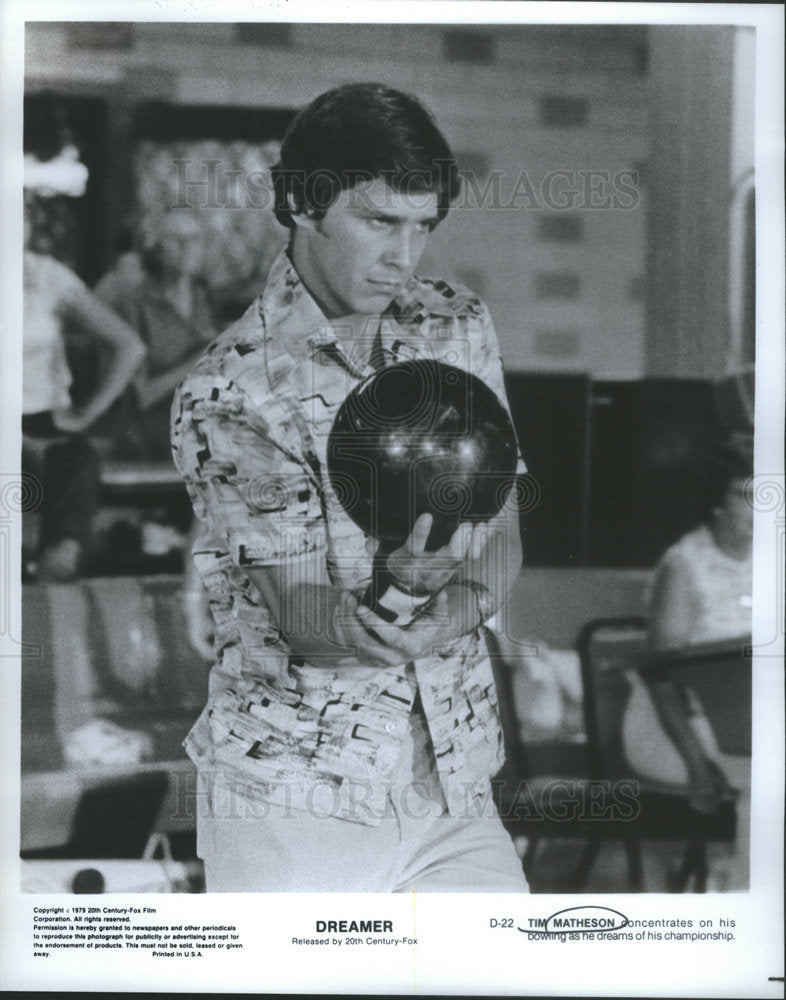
(701, 593)
(161, 292)
(703, 583)
(55, 450)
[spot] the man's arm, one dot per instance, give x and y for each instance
(250, 494)
(469, 579)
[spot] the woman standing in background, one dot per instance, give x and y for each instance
(54, 448)
(160, 291)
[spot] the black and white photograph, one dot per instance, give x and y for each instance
(392, 499)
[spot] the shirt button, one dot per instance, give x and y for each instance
(390, 727)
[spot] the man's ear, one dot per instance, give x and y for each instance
(300, 217)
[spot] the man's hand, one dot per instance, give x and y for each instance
(326, 625)
(418, 571)
(376, 643)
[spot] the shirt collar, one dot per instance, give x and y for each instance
(297, 325)
(288, 309)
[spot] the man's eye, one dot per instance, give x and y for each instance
(378, 223)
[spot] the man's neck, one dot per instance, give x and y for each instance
(357, 334)
(296, 260)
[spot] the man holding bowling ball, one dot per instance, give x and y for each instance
(351, 729)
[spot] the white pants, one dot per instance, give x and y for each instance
(255, 847)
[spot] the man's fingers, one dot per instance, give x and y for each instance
(412, 641)
(416, 543)
(376, 636)
(436, 609)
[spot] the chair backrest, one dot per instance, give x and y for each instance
(719, 673)
(115, 818)
(607, 648)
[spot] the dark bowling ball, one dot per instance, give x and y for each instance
(417, 437)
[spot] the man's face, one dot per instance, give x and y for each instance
(366, 247)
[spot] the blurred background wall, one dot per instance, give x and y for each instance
(575, 136)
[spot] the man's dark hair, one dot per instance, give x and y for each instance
(357, 133)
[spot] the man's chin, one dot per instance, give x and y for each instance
(373, 305)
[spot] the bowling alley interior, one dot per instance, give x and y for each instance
(607, 220)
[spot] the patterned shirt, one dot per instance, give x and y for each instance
(249, 431)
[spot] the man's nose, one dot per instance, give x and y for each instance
(399, 250)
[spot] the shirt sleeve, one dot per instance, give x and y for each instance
(255, 497)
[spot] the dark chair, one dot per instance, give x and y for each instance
(541, 790)
(596, 797)
(114, 818)
(608, 648)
